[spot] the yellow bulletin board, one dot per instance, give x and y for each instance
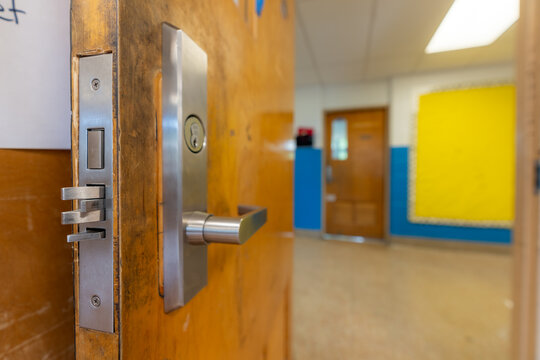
(463, 158)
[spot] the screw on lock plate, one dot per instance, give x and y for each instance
(96, 83)
(95, 301)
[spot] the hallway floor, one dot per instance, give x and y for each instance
(377, 302)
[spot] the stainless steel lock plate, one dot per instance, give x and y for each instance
(184, 67)
(187, 227)
(95, 194)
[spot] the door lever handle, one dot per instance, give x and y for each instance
(202, 228)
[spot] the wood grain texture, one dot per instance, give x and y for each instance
(36, 301)
(359, 181)
(94, 31)
(250, 102)
(243, 313)
(526, 266)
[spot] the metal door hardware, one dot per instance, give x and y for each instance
(194, 133)
(329, 177)
(90, 234)
(95, 139)
(85, 195)
(82, 217)
(187, 227)
(92, 204)
(94, 214)
(83, 192)
(202, 228)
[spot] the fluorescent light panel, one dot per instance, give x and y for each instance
(473, 23)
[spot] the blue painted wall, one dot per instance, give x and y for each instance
(399, 224)
(307, 188)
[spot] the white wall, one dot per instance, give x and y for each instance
(400, 94)
(312, 101)
(309, 111)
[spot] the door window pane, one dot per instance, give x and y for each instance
(339, 143)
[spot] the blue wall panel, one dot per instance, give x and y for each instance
(307, 189)
(400, 225)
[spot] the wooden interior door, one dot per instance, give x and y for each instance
(355, 156)
(243, 312)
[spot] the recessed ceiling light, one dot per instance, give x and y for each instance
(472, 23)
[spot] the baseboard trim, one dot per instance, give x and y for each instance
(452, 244)
(308, 233)
(413, 241)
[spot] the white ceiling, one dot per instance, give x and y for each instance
(347, 41)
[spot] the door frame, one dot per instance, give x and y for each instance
(386, 176)
(524, 337)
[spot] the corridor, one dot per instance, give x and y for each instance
(370, 301)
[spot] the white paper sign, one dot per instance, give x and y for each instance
(35, 108)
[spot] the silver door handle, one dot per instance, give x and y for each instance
(329, 175)
(202, 228)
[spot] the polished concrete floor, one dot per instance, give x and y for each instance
(377, 302)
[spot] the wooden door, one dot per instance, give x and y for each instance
(243, 312)
(355, 172)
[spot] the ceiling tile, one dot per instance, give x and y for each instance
(305, 72)
(386, 67)
(342, 74)
(405, 27)
(347, 41)
(445, 60)
(336, 30)
(502, 50)
(305, 76)
(302, 55)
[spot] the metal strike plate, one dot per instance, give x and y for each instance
(184, 124)
(96, 302)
